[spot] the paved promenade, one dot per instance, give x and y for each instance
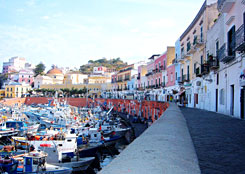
(219, 141)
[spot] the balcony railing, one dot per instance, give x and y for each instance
(204, 68)
(126, 79)
(213, 62)
(174, 61)
(119, 80)
(240, 39)
(127, 69)
(224, 6)
(163, 84)
(223, 54)
(198, 41)
(149, 74)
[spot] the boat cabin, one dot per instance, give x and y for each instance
(8, 125)
(34, 162)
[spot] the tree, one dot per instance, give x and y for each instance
(3, 77)
(39, 69)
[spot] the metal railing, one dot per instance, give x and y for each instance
(240, 39)
(223, 53)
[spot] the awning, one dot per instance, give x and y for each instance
(181, 92)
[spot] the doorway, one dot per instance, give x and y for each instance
(232, 100)
(216, 100)
(242, 103)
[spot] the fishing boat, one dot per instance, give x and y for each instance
(35, 162)
(62, 150)
(8, 164)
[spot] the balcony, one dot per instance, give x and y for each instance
(213, 63)
(182, 79)
(204, 68)
(223, 54)
(149, 74)
(240, 39)
(119, 80)
(191, 50)
(175, 61)
(224, 6)
(198, 42)
(127, 69)
(126, 79)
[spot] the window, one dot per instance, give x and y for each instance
(171, 77)
(176, 75)
(222, 97)
(188, 72)
(195, 40)
(217, 78)
(201, 60)
(159, 81)
(217, 48)
(195, 66)
(164, 65)
(231, 38)
(201, 36)
(188, 46)
(159, 65)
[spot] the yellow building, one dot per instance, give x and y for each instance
(94, 79)
(16, 90)
(170, 55)
(193, 53)
(2, 93)
(124, 75)
(74, 77)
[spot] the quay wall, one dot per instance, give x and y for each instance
(165, 147)
(147, 109)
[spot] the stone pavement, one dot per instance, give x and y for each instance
(219, 141)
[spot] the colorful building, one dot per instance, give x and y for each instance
(14, 64)
(23, 76)
(14, 89)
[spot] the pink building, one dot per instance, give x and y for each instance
(170, 75)
(23, 76)
(160, 65)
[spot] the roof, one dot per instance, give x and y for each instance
(54, 71)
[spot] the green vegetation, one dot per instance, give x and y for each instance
(66, 92)
(3, 77)
(39, 69)
(115, 63)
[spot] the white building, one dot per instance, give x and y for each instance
(14, 64)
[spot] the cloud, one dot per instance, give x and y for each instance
(162, 23)
(45, 17)
(31, 3)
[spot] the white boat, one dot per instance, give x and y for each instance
(35, 162)
(61, 152)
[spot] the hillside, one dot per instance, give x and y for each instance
(115, 63)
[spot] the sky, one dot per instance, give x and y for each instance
(68, 33)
